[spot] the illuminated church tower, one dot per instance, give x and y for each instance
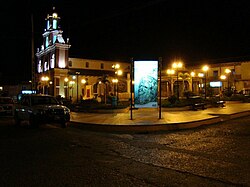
(52, 58)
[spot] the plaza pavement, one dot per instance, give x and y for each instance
(147, 120)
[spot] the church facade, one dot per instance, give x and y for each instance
(76, 78)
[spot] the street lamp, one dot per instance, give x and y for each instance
(66, 80)
(83, 81)
(72, 84)
(171, 72)
(44, 80)
(118, 72)
(227, 71)
(77, 74)
(205, 69)
(223, 77)
(192, 76)
(115, 66)
(177, 65)
(200, 75)
(115, 82)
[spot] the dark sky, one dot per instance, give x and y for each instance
(191, 30)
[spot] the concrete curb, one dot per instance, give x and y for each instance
(156, 127)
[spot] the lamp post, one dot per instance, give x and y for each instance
(77, 74)
(177, 66)
(227, 71)
(115, 82)
(44, 80)
(222, 77)
(72, 84)
(200, 75)
(171, 72)
(66, 80)
(83, 81)
(118, 72)
(192, 76)
(205, 69)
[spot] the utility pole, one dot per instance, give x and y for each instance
(33, 78)
(159, 73)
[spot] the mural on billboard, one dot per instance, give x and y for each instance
(145, 84)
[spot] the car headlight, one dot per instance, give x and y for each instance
(66, 110)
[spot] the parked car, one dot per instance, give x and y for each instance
(6, 106)
(41, 109)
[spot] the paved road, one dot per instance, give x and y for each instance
(217, 155)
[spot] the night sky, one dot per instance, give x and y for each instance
(118, 30)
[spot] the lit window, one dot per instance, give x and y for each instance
(47, 42)
(61, 60)
(54, 23)
(39, 67)
(54, 39)
(48, 24)
(45, 66)
(52, 61)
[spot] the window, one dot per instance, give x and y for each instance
(102, 66)
(54, 39)
(52, 61)
(38, 100)
(39, 67)
(233, 71)
(70, 63)
(47, 42)
(54, 23)
(87, 65)
(215, 74)
(48, 24)
(46, 66)
(57, 82)
(57, 91)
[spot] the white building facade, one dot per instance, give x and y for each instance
(76, 78)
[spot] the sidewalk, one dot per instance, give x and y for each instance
(147, 120)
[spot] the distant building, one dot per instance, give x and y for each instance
(15, 89)
(234, 75)
(230, 75)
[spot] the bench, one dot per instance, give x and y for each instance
(196, 102)
(196, 106)
(220, 103)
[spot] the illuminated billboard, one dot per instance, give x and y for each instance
(145, 84)
(215, 84)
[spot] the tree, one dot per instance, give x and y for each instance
(184, 77)
(104, 80)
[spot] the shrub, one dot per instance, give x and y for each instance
(172, 99)
(188, 94)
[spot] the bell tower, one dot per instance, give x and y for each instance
(52, 57)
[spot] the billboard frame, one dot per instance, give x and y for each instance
(132, 90)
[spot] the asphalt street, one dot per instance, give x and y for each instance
(214, 155)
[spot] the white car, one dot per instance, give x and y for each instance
(6, 106)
